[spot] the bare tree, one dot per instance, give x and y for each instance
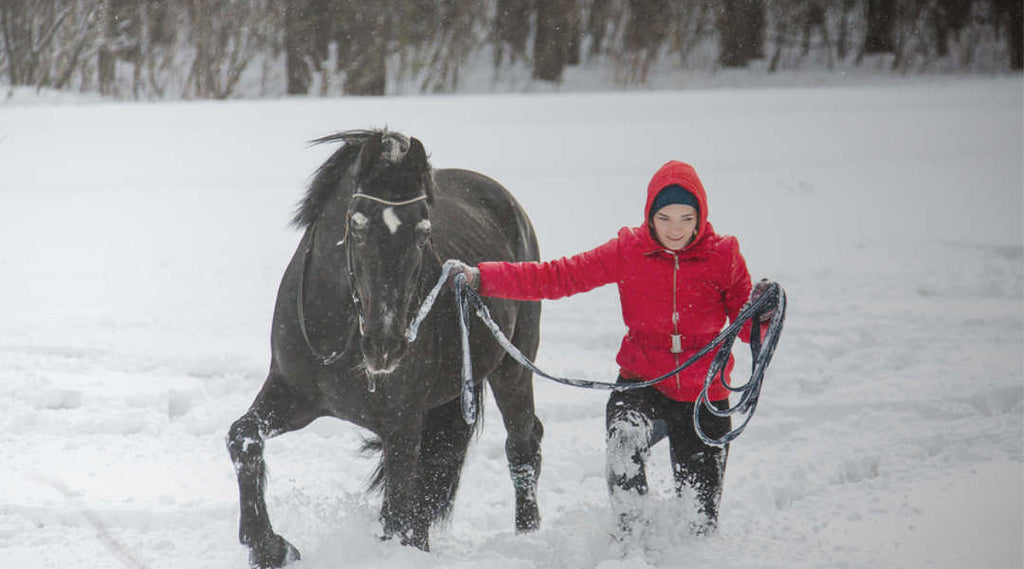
(694, 22)
(15, 18)
(846, 8)
(1010, 15)
(456, 40)
(948, 20)
(363, 45)
(574, 46)
(797, 23)
(45, 41)
(511, 29)
(600, 17)
(307, 33)
(753, 29)
(160, 42)
(551, 43)
(122, 41)
(646, 32)
(225, 37)
(880, 18)
(740, 29)
(204, 48)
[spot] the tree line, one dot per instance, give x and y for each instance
(231, 48)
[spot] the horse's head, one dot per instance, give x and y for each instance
(387, 238)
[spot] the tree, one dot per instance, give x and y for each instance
(225, 36)
(881, 18)
(843, 41)
(950, 18)
(574, 47)
(646, 31)
(307, 33)
(511, 29)
(202, 48)
(694, 23)
(18, 40)
(122, 41)
(597, 24)
(455, 41)
(753, 29)
(551, 43)
(740, 32)
(44, 41)
(1011, 19)
(363, 45)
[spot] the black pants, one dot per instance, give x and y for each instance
(636, 420)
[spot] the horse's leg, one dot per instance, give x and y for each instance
(274, 411)
(445, 441)
(513, 392)
(402, 509)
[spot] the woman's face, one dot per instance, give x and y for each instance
(675, 225)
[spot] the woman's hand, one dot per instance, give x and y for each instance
(759, 289)
(472, 275)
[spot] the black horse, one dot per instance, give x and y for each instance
(378, 221)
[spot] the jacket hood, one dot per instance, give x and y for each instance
(681, 174)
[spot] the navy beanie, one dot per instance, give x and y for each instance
(674, 194)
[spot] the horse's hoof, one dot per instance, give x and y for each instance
(419, 540)
(272, 552)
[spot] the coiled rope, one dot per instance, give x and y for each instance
(762, 351)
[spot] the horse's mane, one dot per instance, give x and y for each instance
(329, 175)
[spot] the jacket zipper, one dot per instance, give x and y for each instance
(676, 337)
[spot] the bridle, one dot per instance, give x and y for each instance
(348, 257)
(334, 356)
(419, 198)
(466, 299)
(348, 215)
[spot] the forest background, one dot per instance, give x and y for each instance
(220, 49)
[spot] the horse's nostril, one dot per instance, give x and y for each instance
(382, 355)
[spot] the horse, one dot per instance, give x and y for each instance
(377, 221)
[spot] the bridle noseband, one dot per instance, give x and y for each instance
(386, 202)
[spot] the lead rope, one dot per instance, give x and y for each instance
(761, 351)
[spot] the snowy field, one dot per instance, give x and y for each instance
(141, 247)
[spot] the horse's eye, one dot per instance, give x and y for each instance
(422, 233)
(357, 227)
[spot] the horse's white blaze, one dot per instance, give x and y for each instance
(391, 220)
(423, 225)
(359, 219)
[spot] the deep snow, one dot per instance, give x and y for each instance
(141, 247)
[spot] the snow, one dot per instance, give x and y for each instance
(142, 246)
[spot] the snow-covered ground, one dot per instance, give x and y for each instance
(141, 247)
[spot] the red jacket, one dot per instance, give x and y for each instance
(701, 286)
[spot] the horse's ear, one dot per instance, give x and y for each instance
(417, 158)
(370, 152)
(417, 155)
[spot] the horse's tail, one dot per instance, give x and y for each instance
(371, 446)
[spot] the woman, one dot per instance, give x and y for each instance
(678, 282)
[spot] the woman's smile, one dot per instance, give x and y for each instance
(675, 225)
